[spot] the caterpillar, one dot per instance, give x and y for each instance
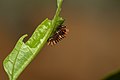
(60, 33)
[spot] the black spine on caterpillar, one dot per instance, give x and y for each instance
(60, 33)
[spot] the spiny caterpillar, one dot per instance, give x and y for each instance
(60, 33)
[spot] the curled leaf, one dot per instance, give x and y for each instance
(23, 53)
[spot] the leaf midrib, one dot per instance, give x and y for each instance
(15, 63)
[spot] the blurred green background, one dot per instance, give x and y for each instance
(91, 50)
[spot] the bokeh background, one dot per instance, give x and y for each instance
(91, 50)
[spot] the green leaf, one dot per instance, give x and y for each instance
(24, 53)
(113, 76)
